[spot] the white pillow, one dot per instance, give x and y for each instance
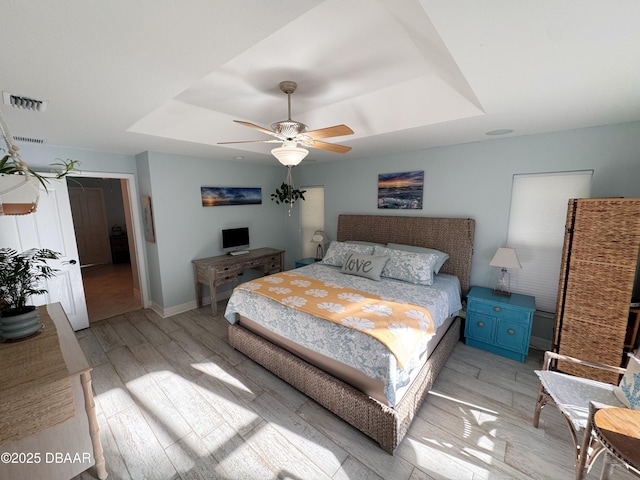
(338, 251)
(367, 266)
(408, 266)
(442, 257)
(628, 392)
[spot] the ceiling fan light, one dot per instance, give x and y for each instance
(289, 156)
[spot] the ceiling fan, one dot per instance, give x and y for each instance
(292, 133)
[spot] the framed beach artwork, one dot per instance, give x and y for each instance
(403, 190)
(220, 196)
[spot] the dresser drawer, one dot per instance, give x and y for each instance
(498, 311)
(265, 263)
(273, 265)
(222, 271)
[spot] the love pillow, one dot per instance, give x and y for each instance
(367, 266)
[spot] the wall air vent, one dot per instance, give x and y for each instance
(25, 103)
(29, 140)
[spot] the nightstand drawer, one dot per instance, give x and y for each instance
(512, 335)
(498, 311)
(480, 327)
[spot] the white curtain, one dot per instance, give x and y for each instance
(311, 218)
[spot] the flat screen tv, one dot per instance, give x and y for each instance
(234, 239)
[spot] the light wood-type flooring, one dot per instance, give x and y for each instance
(109, 290)
(175, 401)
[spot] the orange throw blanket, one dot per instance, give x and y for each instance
(399, 326)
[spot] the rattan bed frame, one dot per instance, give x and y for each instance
(384, 424)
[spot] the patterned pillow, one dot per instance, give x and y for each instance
(408, 266)
(362, 242)
(338, 251)
(628, 392)
(367, 266)
(442, 257)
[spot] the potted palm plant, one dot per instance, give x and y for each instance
(20, 278)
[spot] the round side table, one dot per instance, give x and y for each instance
(619, 431)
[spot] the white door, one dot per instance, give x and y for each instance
(52, 227)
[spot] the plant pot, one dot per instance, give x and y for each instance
(18, 194)
(21, 325)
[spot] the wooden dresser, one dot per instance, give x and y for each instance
(214, 271)
(48, 426)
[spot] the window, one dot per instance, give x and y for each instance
(311, 218)
(536, 230)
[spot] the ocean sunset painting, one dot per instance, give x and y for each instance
(400, 190)
(219, 196)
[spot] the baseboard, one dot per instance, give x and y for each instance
(174, 310)
(540, 343)
(184, 307)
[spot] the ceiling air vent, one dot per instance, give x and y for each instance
(29, 139)
(24, 102)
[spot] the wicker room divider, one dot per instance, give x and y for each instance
(599, 258)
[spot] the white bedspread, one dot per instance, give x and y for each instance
(345, 345)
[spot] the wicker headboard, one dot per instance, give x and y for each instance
(451, 235)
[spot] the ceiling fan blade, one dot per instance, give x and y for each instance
(335, 131)
(251, 141)
(257, 127)
(332, 147)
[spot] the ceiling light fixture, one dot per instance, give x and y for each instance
(289, 154)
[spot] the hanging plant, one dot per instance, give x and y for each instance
(287, 194)
(12, 165)
(19, 185)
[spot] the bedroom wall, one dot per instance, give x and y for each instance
(40, 157)
(471, 180)
(474, 180)
(185, 230)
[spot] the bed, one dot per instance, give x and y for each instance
(374, 407)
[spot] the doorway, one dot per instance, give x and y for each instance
(102, 220)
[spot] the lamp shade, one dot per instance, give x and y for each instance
(319, 237)
(505, 258)
(289, 154)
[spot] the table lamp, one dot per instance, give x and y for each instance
(504, 258)
(320, 239)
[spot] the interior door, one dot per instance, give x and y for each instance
(90, 224)
(52, 227)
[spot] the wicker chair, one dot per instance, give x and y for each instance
(576, 398)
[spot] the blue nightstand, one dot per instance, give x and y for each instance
(499, 324)
(305, 261)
